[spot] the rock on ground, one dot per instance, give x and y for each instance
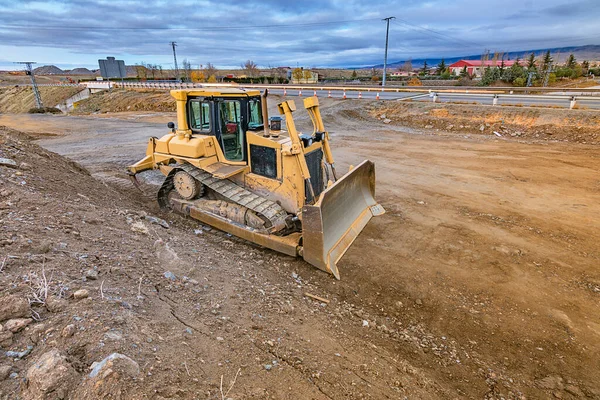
(50, 377)
(5, 338)
(13, 307)
(15, 325)
(55, 304)
(81, 294)
(4, 372)
(115, 362)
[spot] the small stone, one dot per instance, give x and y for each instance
(189, 330)
(365, 323)
(91, 274)
(4, 371)
(419, 302)
(15, 325)
(268, 367)
(170, 275)
(574, 390)
(194, 282)
(482, 128)
(157, 221)
(270, 343)
(383, 116)
(81, 294)
(428, 126)
(220, 339)
(115, 362)
(25, 167)
(7, 162)
(68, 331)
(387, 121)
(14, 375)
(113, 336)
(19, 354)
(55, 304)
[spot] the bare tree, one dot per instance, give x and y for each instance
(250, 68)
(407, 66)
(210, 70)
(187, 69)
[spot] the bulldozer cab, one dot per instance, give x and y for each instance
(228, 119)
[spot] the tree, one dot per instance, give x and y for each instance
(187, 69)
(297, 74)
(585, 65)
(441, 67)
(210, 70)
(250, 68)
(464, 73)
(307, 75)
(197, 76)
(354, 75)
(141, 70)
(531, 62)
(425, 67)
(407, 66)
(546, 61)
(571, 61)
(212, 79)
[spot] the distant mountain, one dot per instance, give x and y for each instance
(560, 54)
(48, 70)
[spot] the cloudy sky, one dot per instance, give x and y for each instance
(70, 33)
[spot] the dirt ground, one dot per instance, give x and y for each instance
(19, 99)
(480, 281)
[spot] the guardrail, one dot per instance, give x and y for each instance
(43, 84)
(495, 98)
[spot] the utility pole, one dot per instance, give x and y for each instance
(174, 44)
(36, 92)
(387, 33)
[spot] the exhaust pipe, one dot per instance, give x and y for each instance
(265, 113)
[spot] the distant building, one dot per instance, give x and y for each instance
(476, 67)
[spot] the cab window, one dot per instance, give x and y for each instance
(231, 130)
(199, 114)
(255, 119)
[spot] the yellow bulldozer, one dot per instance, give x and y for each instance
(229, 166)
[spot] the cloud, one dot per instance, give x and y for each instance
(275, 32)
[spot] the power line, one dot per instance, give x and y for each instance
(206, 28)
(439, 34)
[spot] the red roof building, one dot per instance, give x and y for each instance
(476, 67)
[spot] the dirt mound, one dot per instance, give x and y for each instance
(80, 71)
(20, 99)
(48, 70)
(512, 122)
(118, 100)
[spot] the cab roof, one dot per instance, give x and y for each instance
(183, 94)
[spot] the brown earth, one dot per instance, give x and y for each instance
(19, 99)
(118, 100)
(516, 122)
(480, 281)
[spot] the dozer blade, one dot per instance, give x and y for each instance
(330, 225)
